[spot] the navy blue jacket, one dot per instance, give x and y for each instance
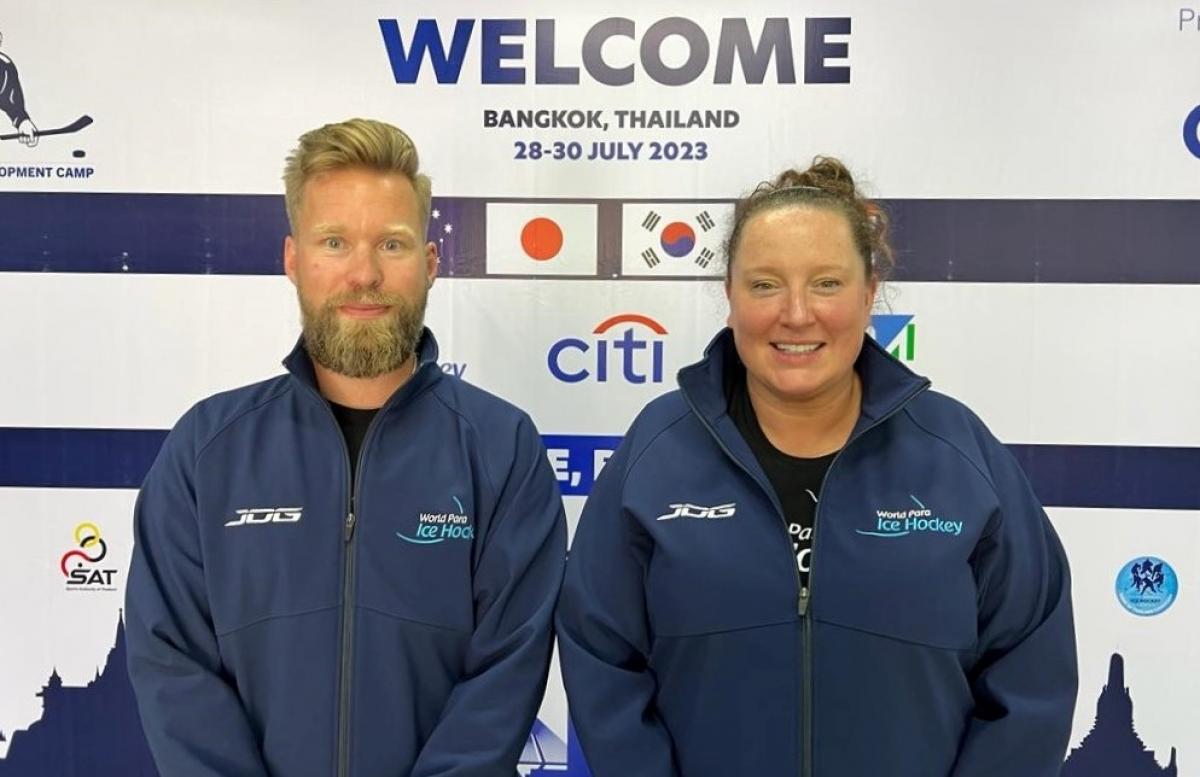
(935, 640)
(272, 631)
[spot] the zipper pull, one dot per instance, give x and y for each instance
(349, 526)
(803, 601)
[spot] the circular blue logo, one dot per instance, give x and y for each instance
(1147, 586)
(1191, 132)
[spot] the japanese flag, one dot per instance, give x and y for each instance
(679, 239)
(532, 238)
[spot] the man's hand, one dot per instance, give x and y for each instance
(28, 133)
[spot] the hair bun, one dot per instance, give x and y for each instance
(825, 183)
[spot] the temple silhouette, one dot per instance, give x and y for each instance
(94, 729)
(1112, 748)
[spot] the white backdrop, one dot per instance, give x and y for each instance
(121, 319)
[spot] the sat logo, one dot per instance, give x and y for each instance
(635, 352)
(78, 566)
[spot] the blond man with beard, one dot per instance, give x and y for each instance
(349, 569)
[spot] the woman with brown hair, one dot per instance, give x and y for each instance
(804, 561)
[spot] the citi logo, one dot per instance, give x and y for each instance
(636, 353)
(258, 515)
(673, 51)
(689, 510)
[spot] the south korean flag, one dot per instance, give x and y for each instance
(674, 239)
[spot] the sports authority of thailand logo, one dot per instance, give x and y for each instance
(13, 104)
(79, 565)
(1147, 586)
(689, 510)
(433, 528)
(258, 516)
(910, 520)
(896, 333)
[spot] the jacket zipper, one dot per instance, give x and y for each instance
(346, 639)
(346, 629)
(804, 593)
(348, 578)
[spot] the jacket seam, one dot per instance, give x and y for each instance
(394, 616)
(266, 618)
(283, 389)
(958, 449)
(683, 413)
(969, 649)
(715, 632)
(474, 430)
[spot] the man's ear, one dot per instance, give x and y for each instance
(289, 258)
(431, 264)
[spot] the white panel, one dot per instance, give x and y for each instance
(49, 625)
(1161, 651)
(1059, 363)
(1017, 99)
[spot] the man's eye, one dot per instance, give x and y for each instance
(333, 243)
(392, 245)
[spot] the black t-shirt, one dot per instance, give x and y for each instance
(354, 424)
(797, 481)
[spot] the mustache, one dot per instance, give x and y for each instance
(365, 298)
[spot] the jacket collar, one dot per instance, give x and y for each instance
(887, 384)
(299, 364)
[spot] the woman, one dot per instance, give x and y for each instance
(804, 561)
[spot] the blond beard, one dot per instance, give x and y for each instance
(360, 348)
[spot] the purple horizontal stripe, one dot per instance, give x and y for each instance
(1130, 477)
(1013, 241)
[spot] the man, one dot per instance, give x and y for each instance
(12, 100)
(349, 569)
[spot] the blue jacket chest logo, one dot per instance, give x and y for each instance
(918, 519)
(252, 516)
(689, 510)
(432, 528)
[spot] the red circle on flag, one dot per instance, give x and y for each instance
(542, 239)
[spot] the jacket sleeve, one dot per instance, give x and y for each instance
(12, 100)
(1025, 680)
(488, 716)
(604, 638)
(194, 722)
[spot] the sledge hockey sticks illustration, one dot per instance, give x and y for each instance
(74, 126)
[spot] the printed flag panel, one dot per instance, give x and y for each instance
(674, 239)
(531, 238)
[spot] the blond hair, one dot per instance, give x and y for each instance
(374, 145)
